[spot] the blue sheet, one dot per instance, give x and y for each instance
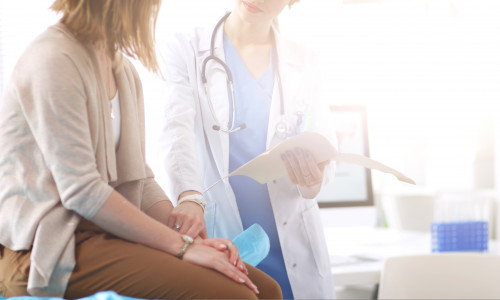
(107, 295)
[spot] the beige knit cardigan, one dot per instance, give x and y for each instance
(57, 156)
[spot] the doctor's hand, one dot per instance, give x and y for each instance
(187, 218)
(302, 168)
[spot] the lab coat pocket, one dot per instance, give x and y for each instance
(314, 229)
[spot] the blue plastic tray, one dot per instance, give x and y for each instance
(459, 236)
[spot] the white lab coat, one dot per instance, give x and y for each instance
(195, 155)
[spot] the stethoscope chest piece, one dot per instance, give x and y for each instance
(283, 129)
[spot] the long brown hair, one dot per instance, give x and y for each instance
(122, 25)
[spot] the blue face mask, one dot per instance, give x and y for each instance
(253, 244)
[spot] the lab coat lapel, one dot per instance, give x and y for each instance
(289, 69)
(217, 88)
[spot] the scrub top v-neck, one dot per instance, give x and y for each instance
(252, 104)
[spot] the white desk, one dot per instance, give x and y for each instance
(370, 246)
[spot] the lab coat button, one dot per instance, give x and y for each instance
(274, 181)
(294, 265)
(284, 223)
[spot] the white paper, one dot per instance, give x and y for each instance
(268, 166)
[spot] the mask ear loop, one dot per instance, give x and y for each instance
(214, 184)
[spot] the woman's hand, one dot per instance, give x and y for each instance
(213, 254)
(187, 218)
(227, 246)
(302, 168)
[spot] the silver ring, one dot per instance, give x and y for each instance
(178, 227)
(229, 244)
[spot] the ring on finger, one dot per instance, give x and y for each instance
(177, 226)
(229, 244)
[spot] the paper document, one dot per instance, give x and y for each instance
(268, 166)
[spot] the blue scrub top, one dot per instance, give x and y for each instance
(253, 104)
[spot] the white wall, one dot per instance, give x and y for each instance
(20, 22)
(428, 71)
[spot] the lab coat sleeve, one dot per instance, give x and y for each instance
(321, 121)
(319, 112)
(177, 141)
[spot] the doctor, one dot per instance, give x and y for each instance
(236, 90)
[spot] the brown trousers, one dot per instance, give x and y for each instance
(104, 262)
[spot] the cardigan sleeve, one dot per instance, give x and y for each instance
(54, 99)
(177, 144)
(152, 192)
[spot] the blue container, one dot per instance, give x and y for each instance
(253, 244)
(459, 236)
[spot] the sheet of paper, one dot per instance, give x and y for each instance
(268, 166)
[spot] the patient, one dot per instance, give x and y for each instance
(80, 211)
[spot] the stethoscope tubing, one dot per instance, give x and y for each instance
(230, 80)
(212, 53)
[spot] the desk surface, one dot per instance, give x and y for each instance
(368, 247)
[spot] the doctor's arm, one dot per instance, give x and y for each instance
(178, 138)
(189, 216)
(303, 170)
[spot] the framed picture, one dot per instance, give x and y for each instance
(352, 184)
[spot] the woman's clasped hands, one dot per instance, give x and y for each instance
(221, 255)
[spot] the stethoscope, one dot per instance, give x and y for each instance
(283, 127)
